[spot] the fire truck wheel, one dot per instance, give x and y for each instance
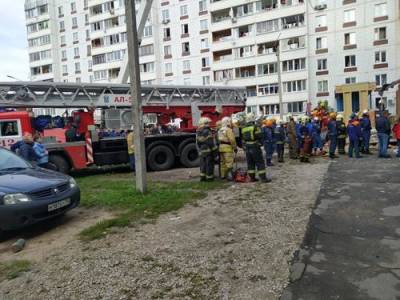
(189, 156)
(161, 158)
(60, 162)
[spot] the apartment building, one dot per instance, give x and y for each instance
(58, 40)
(354, 47)
(245, 37)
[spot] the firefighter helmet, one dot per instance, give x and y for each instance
(332, 115)
(339, 117)
(204, 121)
(250, 117)
(226, 121)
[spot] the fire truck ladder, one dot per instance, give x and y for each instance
(64, 95)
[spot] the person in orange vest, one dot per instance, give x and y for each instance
(131, 150)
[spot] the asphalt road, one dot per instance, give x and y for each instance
(352, 247)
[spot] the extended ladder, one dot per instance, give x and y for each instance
(75, 95)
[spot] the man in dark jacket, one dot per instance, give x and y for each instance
(26, 149)
(332, 134)
(354, 131)
(365, 132)
(341, 134)
(207, 149)
(383, 129)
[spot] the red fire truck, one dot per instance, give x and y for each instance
(185, 103)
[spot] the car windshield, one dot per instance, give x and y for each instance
(10, 161)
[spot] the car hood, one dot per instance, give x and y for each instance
(28, 180)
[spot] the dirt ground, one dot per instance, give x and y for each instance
(235, 244)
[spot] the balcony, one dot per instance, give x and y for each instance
(220, 16)
(221, 56)
(222, 36)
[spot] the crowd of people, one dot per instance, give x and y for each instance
(305, 136)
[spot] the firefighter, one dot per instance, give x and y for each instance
(332, 135)
(291, 130)
(268, 140)
(354, 130)
(365, 123)
(341, 134)
(252, 139)
(227, 148)
(316, 136)
(306, 140)
(280, 135)
(207, 149)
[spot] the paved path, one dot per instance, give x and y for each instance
(352, 248)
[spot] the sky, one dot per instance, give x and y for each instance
(13, 43)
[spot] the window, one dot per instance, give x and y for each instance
(184, 10)
(9, 128)
(320, 21)
(75, 37)
(148, 31)
(295, 107)
(268, 89)
(185, 48)
(322, 64)
(322, 86)
(165, 15)
(185, 28)
(90, 65)
(62, 25)
(349, 15)
(62, 40)
(168, 68)
(350, 38)
(267, 26)
(322, 43)
(74, 22)
(350, 80)
(39, 41)
(380, 33)
(78, 80)
(206, 80)
(167, 33)
(167, 50)
(380, 10)
(202, 5)
(186, 65)
(270, 109)
(64, 54)
(76, 51)
(77, 67)
(204, 43)
(87, 34)
(350, 61)
(205, 62)
(88, 50)
(60, 11)
(100, 75)
(265, 69)
(294, 86)
(294, 65)
(65, 69)
(380, 79)
(73, 7)
(223, 75)
(146, 50)
(203, 25)
(147, 67)
(86, 19)
(245, 51)
(380, 56)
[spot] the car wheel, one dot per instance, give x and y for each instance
(60, 163)
(161, 158)
(190, 156)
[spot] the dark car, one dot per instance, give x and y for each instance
(30, 194)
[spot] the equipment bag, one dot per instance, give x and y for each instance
(240, 175)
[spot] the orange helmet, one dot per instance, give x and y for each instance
(332, 115)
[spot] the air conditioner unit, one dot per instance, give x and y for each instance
(112, 11)
(234, 20)
(320, 7)
(165, 21)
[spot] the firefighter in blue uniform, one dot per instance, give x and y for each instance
(252, 140)
(341, 134)
(365, 132)
(207, 149)
(332, 135)
(280, 136)
(268, 139)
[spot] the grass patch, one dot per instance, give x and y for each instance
(117, 192)
(12, 269)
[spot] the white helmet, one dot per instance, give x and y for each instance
(250, 117)
(226, 121)
(204, 121)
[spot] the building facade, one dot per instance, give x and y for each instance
(354, 47)
(338, 51)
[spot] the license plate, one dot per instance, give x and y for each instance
(59, 204)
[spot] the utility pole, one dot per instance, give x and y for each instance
(136, 95)
(278, 57)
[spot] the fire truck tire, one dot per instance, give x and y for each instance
(61, 163)
(189, 156)
(161, 158)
